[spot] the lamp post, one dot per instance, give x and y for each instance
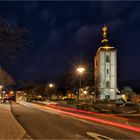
(80, 70)
(50, 86)
(85, 94)
(124, 98)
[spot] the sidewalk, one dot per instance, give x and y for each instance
(9, 127)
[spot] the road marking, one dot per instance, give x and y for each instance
(98, 136)
(77, 136)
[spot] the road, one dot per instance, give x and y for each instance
(48, 124)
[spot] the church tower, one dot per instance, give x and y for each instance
(105, 70)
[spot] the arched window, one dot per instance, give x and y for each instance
(107, 84)
(107, 58)
(107, 71)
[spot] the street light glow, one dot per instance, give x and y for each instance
(85, 92)
(11, 92)
(123, 96)
(1, 86)
(3, 92)
(51, 85)
(80, 70)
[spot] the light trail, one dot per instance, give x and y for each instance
(106, 122)
(88, 112)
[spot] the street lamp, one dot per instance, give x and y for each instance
(3, 91)
(51, 86)
(125, 99)
(80, 70)
(85, 94)
(11, 92)
(123, 96)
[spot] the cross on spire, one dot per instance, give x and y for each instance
(104, 40)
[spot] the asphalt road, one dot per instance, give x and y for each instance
(43, 124)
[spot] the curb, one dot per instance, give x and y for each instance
(24, 134)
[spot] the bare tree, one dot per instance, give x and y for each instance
(128, 92)
(5, 78)
(13, 40)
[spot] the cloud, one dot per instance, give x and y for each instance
(73, 25)
(62, 33)
(112, 9)
(46, 15)
(55, 36)
(85, 33)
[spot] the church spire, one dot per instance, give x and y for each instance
(104, 40)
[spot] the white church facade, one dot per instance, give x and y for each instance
(105, 70)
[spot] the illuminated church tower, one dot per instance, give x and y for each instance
(105, 70)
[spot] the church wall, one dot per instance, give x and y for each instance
(105, 71)
(102, 69)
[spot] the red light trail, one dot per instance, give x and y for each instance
(120, 125)
(88, 112)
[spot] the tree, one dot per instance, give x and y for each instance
(68, 82)
(33, 88)
(128, 92)
(5, 78)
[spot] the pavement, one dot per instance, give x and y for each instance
(46, 123)
(9, 126)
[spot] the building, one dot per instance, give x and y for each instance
(21, 96)
(105, 70)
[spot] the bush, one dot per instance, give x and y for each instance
(84, 106)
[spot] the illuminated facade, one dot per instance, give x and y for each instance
(105, 70)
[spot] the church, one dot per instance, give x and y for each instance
(105, 70)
